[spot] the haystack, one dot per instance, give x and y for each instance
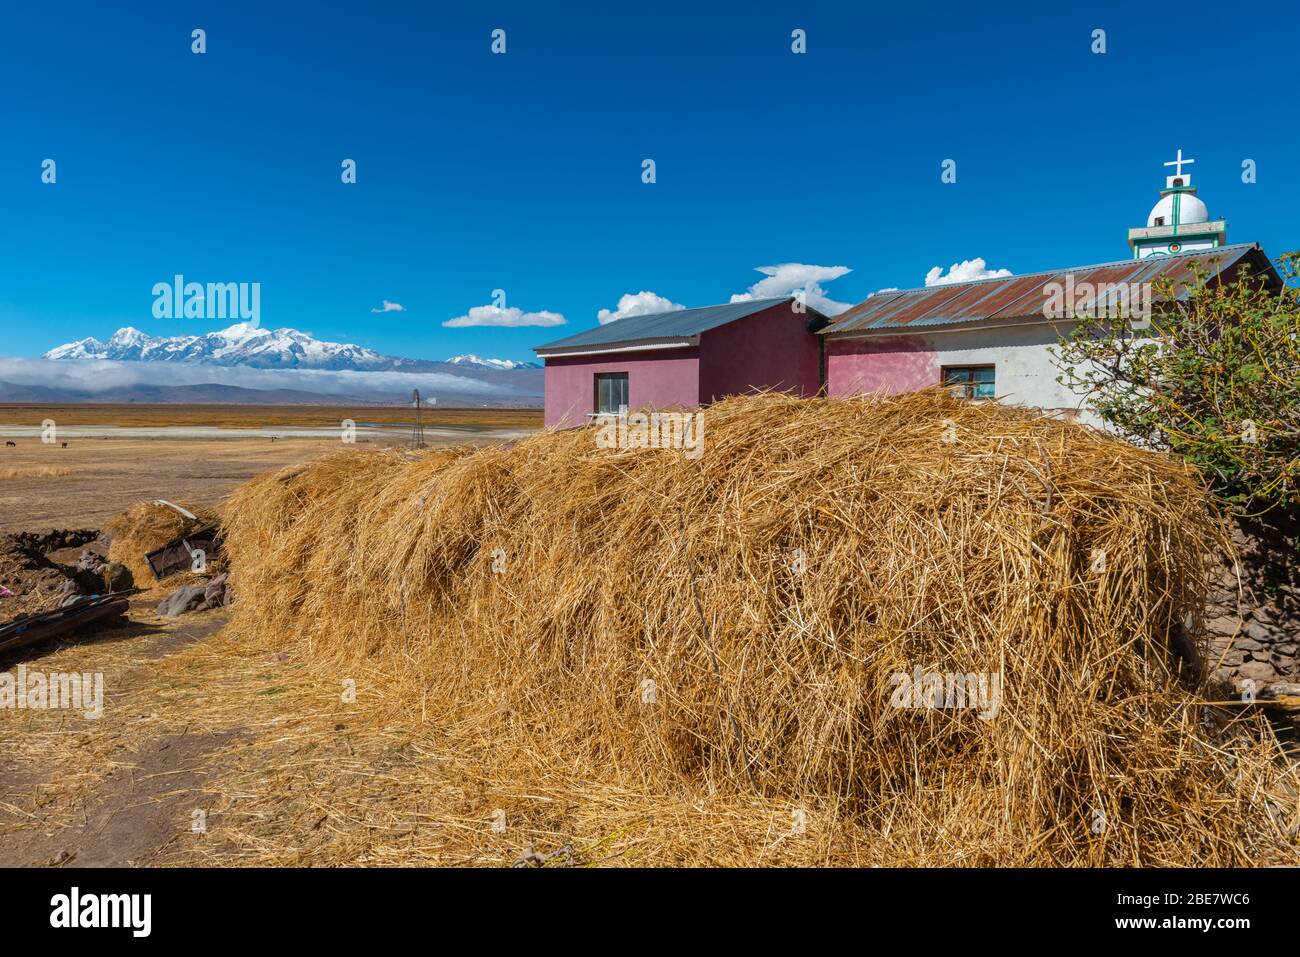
(649, 625)
(147, 526)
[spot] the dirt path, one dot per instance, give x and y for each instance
(210, 754)
(137, 792)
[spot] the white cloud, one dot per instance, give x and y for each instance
(638, 304)
(505, 316)
(98, 375)
(965, 271)
(390, 307)
(787, 279)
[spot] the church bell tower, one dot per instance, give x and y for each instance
(1179, 222)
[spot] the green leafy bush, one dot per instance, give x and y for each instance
(1214, 378)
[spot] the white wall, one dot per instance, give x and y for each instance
(1025, 373)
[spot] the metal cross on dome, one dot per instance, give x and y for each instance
(1179, 162)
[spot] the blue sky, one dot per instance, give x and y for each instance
(522, 172)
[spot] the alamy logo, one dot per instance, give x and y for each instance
(103, 910)
(38, 691)
(652, 430)
(179, 299)
(979, 691)
(1101, 300)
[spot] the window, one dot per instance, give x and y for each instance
(970, 382)
(1159, 221)
(611, 391)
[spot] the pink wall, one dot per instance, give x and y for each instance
(772, 349)
(659, 379)
(889, 365)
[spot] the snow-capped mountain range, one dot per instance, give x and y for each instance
(473, 360)
(246, 345)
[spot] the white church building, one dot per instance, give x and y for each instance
(992, 337)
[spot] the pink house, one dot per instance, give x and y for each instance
(683, 359)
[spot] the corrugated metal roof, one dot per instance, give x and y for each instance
(1022, 298)
(665, 327)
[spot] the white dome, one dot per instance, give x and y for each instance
(1190, 210)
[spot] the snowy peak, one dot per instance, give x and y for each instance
(127, 338)
(472, 360)
(239, 345)
(245, 330)
(81, 349)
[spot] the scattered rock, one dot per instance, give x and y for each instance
(56, 539)
(216, 593)
(1224, 625)
(1257, 671)
(210, 594)
(89, 561)
(1258, 632)
(1280, 689)
(186, 598)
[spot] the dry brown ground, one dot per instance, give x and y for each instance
(102, 476)
(107, 475)
(261, 416)
(81, 792)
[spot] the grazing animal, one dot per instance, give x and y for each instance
(65, 445)
(11, 445)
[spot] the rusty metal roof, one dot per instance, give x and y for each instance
(1021, 298)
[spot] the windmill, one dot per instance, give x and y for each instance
(417, 434)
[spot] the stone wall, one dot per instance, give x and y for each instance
(1253, 618)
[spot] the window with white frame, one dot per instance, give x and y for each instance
(611, 391)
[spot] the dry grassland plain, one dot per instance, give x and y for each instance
(46, 486)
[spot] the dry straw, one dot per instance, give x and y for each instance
(525, 596)
(35, 471)
(144, 527)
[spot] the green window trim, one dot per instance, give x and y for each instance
(971, 382)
